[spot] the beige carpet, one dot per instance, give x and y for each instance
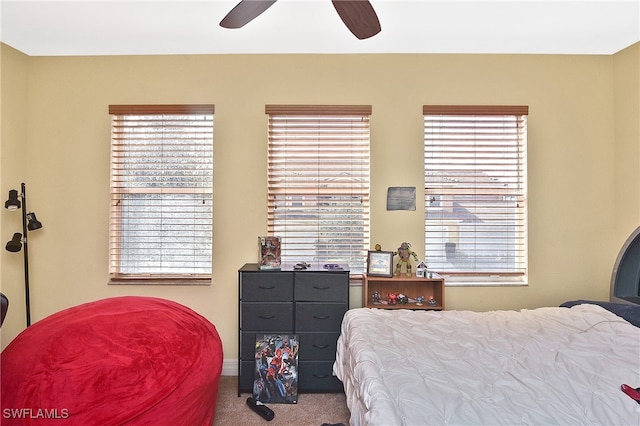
(312, 409)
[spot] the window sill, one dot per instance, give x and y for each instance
(199, 281)
(453, 279)
(485, 283)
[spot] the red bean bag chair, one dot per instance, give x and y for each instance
(118, 361)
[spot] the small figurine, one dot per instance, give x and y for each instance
(404, 251)
(421, 269)
(419, 300)
(375, 297)
(431, 301)
(392, 298)
(378, 247)
(402, 299)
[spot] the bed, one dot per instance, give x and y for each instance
(555, 365)
(118, 361)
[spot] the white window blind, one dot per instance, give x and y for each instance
(318, 183)
(476, 192)
(161, 192)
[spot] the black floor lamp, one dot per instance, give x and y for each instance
(19, 241)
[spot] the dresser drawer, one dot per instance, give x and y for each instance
(247, 373)
(317, 376)
(321, 287)
(267, 316)
(318, 346)
(312, 316)
(267, 286)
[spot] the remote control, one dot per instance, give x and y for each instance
(264, 411)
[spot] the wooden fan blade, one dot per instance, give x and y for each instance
(244, 12)
(358, 16)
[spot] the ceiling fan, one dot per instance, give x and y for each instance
(357, 15)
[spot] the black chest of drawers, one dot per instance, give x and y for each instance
(309, 304)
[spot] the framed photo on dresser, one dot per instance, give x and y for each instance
(380, 263)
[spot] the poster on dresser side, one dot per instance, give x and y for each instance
(276, 369)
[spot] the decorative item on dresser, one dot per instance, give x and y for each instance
(309, 303)
(380, 263)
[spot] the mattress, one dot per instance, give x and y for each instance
(541, 366)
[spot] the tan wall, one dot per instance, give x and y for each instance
(571, 163)
(627, 153)
(14, 71)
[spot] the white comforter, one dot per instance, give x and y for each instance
(534, 367)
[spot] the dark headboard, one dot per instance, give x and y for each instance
(4, 306)
(625, 279)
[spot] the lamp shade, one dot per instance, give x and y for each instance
(34, 223)
(15, 245)
(13, 203)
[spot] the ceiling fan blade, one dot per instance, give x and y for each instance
(358, 16)
(244, 12)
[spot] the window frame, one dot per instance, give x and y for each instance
(516, 192)
(119, 192)
(278, 188)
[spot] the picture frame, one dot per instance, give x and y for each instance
(380, 263)
(401, 198)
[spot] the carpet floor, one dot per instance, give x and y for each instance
(312, 409)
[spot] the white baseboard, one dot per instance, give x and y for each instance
(230, 367)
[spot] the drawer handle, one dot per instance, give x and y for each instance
(266, 287)
(321, 288)
(321, 346)
(320, 376)
(266, 316)
(322, 317)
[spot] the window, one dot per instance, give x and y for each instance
(318, 183)
(161, 215)
(475, 184)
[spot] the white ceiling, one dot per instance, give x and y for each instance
(126, 27)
